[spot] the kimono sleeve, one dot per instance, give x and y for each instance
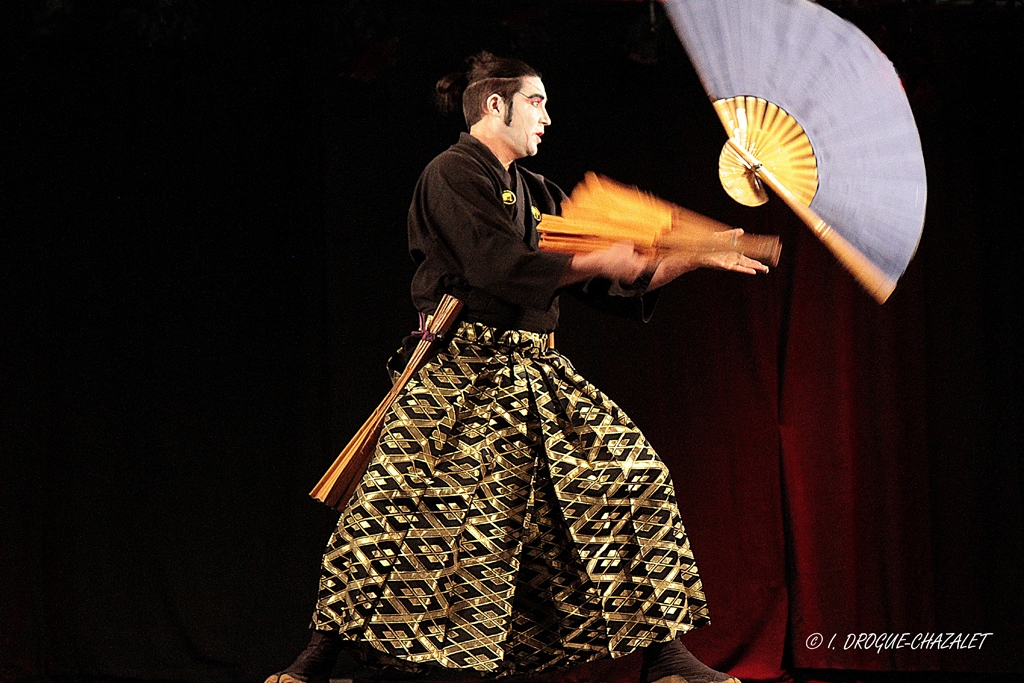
(631, 301)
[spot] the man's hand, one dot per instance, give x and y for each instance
(722, 255)
(728, 258)
(619, 262)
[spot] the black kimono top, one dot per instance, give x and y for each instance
(473, 234)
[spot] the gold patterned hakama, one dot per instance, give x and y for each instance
(513, 519)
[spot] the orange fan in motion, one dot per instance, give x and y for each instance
(601, 212)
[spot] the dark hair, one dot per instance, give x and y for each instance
(487, 74)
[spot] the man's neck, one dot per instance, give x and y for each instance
(496, 145)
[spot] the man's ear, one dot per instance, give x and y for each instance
(494, 104)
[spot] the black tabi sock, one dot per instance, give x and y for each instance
(673, 659)
(318, 659)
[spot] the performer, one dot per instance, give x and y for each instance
(513, 519)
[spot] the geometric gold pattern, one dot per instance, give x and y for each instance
(512, 520)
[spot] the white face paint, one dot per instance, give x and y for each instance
(529, 118)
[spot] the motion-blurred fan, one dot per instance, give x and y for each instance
(816, 112)
(601, 212)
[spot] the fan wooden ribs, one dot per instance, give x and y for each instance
(340, 481)
(776, 139)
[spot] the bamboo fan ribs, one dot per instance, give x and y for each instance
(601, 212)
(777, 141)
(813, 110)
(340, 481)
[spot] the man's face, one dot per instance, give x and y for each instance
(529, 117)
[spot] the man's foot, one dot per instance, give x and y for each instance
(285, 677)
(671, 662)
(315, 663)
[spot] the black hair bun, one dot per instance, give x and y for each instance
(448, 92)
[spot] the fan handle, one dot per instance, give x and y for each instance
(877, 283)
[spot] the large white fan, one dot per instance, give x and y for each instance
(813, 109)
